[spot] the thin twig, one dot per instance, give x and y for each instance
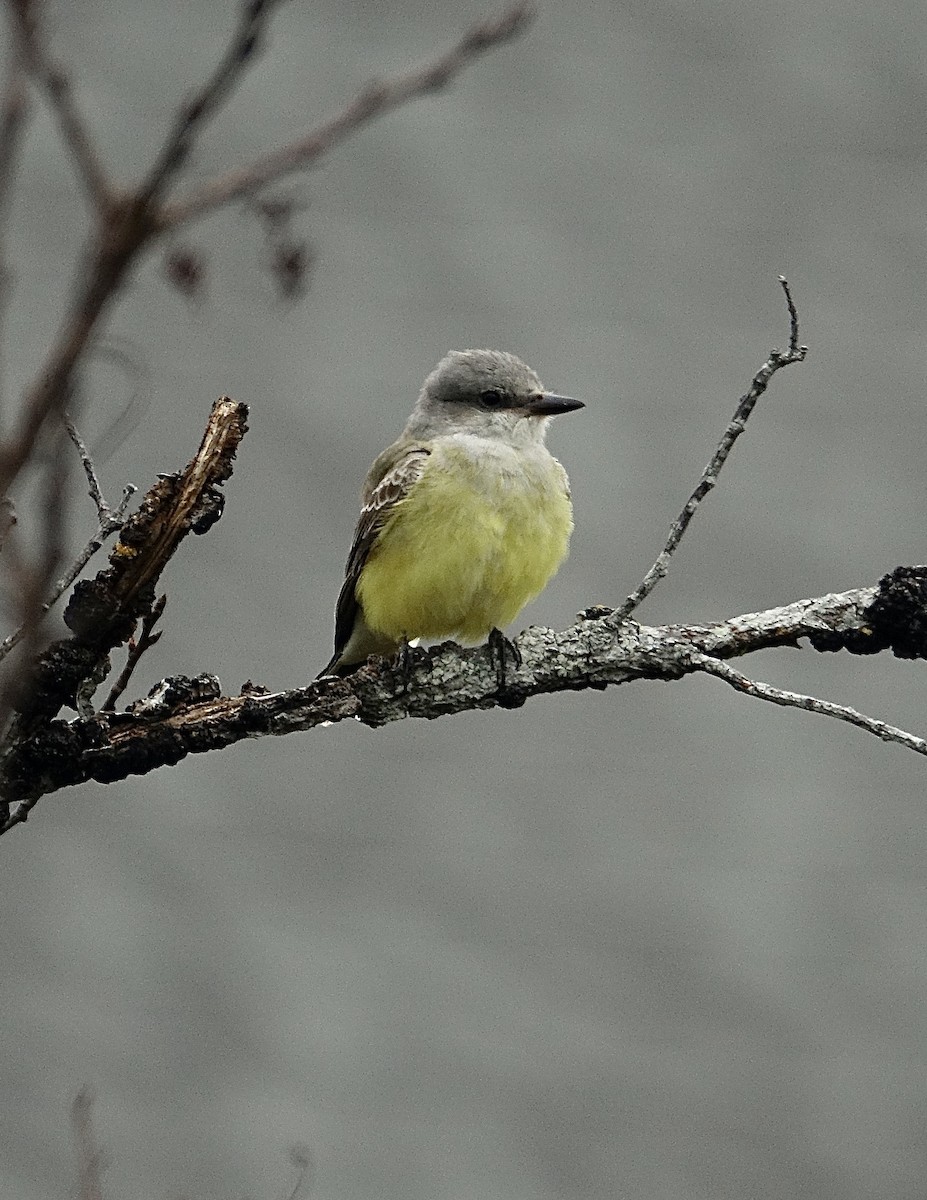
(194, 113)
(137, 647)
(109, 521)
(374, 101)
(826, 708)
(758, 385)
(137, 218)
(109, 525)
(52, 525)
(301, 1158)
(93, 483)
(56, 84)
(126, 225)
(35, 578)
(7, 519)
(89, 1158)
(15, 109)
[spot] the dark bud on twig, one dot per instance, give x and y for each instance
(92, 611)
(185, 269)
(291, 264)
(290, 257)
(278, 210)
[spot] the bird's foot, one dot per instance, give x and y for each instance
(499, 646)
(404, 659)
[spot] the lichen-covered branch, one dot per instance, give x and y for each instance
(191, 716)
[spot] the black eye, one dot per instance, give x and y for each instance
(492, 399)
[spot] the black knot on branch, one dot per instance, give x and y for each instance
(93, 613)
(898, 615)
(209, 509)
(896, 620)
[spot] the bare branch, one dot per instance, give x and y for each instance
(102, 276)
(194, 113)
(52, 524)
(758, 385)
(89, 1158)
(134, 219)
(14, 108)
(177, 505)
(301, 1159)
(31, 573)
(56, 84)
(825, 708)
(191, 716)
(102, 612)
(374, 101)
(7, 519)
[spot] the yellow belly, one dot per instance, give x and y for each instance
(467, 549)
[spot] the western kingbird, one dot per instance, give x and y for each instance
(464, 518)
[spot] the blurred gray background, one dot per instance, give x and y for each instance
(662, 942)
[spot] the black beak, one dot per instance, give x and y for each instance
(549, 405)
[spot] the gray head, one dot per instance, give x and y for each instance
(488, 392)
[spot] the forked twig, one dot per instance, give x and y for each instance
(134, 219)
(758, 385)
(113, 523)
(194, 113)
(374, 101)
(110, 521)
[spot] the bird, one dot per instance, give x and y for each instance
(465, 517)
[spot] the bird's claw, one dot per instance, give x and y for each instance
(499, 646)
